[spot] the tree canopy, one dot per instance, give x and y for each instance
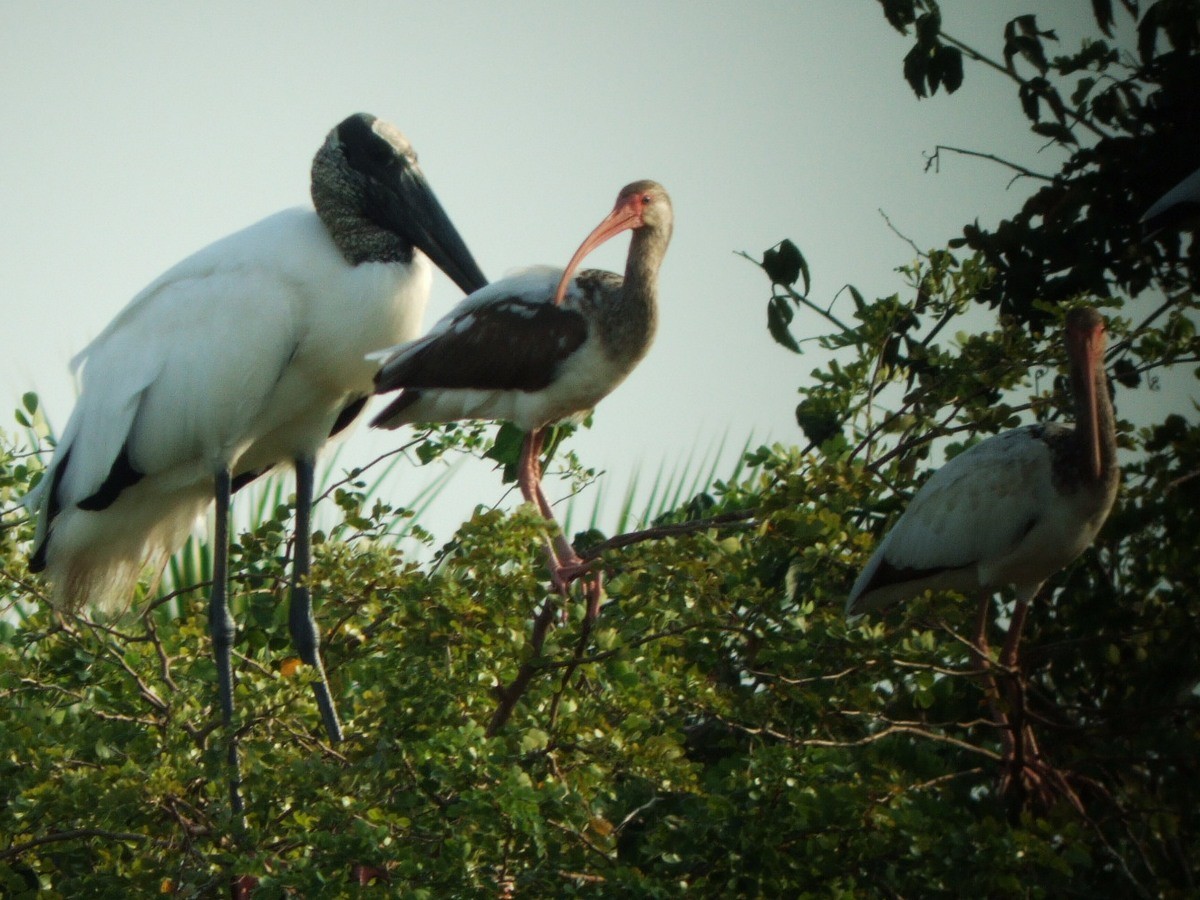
(720, 729)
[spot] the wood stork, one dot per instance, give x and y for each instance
(540, 346)
(247, 354)
(1178, 207)
(1012, 510)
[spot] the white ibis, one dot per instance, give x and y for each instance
(1178, 207)
(539, 347)
(247, 354)
(1012, 510)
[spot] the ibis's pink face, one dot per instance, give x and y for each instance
(1085, 346)
(626, 214)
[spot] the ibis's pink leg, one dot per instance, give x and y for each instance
(565, 564)
(1008, 656)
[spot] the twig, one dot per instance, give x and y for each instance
(1021, 170)
(868, 739)
(904, 237)
(72, 835)
(738, 517)
(510, 694)
(1079, 118)
(798, 298)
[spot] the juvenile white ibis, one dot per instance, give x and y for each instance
(1178, 207)
(247, 354)
(539, 347)
(1012, 510)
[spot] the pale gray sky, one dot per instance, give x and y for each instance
(136, 133)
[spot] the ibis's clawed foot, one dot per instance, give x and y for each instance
(1026, 776)
(1031, 778)
(562, 575)
(565, 572)
(566, 567)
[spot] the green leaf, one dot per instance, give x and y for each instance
(779, 317)
(916, 69)
(784, 263)
(950, 65)
(534, 739)
(1053, 130)
(1082, 89)
(1125, 372)
(506, 449)
(860, 305)
(818, 420)
(899, 13)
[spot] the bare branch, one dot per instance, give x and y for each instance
(934, 158)
(73, 835)
(738, 518)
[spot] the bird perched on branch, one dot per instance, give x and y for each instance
(247, 354)
(1012, 510)
(540, 346)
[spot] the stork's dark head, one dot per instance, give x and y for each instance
(374, 199)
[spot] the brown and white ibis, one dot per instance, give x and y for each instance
(1012, 510)
(247, 354)
(538, 347)
(1177, 208)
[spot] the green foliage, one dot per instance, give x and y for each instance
(720, 730)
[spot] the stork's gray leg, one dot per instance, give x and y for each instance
(300, 615)
(221, 627)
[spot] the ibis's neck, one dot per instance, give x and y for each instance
(627, 324)
(340, 202)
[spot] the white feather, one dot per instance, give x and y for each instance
(242, 355)
(991, 516)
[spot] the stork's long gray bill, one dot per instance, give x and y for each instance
(420, 217)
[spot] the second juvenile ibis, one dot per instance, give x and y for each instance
(540, 346)
(245, 355)
(1012, 510)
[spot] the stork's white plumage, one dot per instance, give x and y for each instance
(247, 354)
(1011, 510)
(1177, 207)
(540, 346)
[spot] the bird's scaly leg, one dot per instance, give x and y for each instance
(301, 623)
(221, 627)
(564, 563)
